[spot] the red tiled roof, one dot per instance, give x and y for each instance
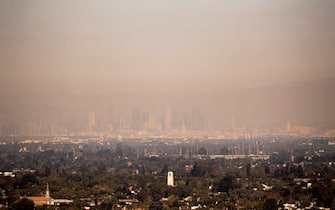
(39, 200)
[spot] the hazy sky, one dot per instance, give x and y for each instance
(162, 46)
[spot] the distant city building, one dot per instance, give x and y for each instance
(288, 127)
(187, 118)
(91, 121)
(197, 120)
(136, 124)
(193, 120)
(233, 126)
(111, 120)
(176, 120)
(152, 125)
(168, 118)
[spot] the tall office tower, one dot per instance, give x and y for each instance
(167, 118)
(91, 121)
(170, 179)
(187, 118)
(233, 126)
(182, 128)
(111, 119)
(31, 129)
(197, 120)
(118, 121)
(144, 118)
(288, 127)
(152, 124)
(176, 120)
(121, 124)
(136, 124)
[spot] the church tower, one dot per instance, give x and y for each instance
(47, 193)
(170, 179)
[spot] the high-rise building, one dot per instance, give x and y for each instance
(288, 127)
(136, 124)
(193, 120)
(167, 124)
(176, 120)
(170, 179)
(152, 124)
(144, 118)
(233, 126)
(111, 120)
(187, 118)
(91, 121)
(197, 120)
(118, 124)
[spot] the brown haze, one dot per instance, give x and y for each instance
(262, 62)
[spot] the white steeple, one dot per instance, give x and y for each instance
(47, 193)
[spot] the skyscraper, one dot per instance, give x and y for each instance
(136, 124)
(288, 127)
(176, 120)
(167, 118)
(233, 126)
(91, 121)
(197, 120)
(187, 118)
(111, 119)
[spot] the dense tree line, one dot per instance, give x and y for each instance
(104, 176)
